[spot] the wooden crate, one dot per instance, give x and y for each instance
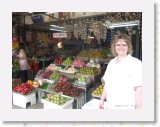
(15, 82)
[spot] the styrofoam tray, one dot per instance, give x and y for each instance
(93, 104)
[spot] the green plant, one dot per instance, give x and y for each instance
(15, 66)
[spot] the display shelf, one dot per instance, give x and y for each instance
(79, 101)
(95, 96)
(85, 87)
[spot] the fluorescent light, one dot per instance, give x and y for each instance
(91, 37)
(54, 26)
(58, 30)
(121, 24)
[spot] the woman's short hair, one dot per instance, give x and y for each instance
(126, 38)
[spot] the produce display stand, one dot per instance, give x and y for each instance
(96, 78)
(42, 79)
(50, 105)
(22, 100)
(100, 60)
(85, 59)
(86, 88)
(70, 75)
(41, 93)
(96, 97)
(44, 61)
(79, 101)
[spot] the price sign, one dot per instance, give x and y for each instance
(59, 35)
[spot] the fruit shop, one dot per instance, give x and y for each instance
(68, 53)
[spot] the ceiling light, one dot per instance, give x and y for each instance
(54, 26)
(121, 24)
(60, 45)
(58, 30)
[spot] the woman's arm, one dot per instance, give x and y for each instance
(138, 94)
(103, 97)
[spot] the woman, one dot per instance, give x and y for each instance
(123, 77)
(24, 66)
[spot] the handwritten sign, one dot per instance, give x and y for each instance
(59, 35)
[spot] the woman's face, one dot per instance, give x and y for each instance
(121, 48)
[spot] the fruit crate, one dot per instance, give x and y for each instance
(79, 101)
(51, 105)
(42, 93)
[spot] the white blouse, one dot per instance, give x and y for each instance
(120, 80)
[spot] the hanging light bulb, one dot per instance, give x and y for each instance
(60, 45)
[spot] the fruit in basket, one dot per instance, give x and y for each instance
(52, 67)
(98, 91)
(47, 74)
(68, 62)
(82, 80)
(83, 53)
(55, 76)
(87, 71)
(63, 79)
(68, 70)
(79, 63)
(58, 60)
(23, 88)
(69, 89)
(57, 99)
(93, 53)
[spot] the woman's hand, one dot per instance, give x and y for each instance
(101, 104)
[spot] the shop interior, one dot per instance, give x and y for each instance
(67, 54)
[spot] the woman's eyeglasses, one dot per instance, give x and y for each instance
(124, 45)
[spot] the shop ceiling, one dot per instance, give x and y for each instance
(20, 19)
